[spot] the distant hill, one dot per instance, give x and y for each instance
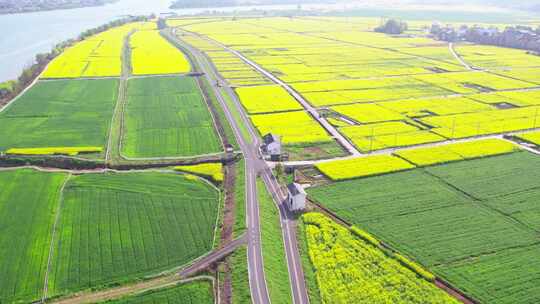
(512, 4)
(528, 5)
(177, 4)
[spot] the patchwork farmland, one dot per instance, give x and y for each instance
(443, 122)
(109, 228)
(257, 159)
(472, 213)
(105, 226)
(371, 80)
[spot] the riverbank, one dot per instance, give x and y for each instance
(19, 7)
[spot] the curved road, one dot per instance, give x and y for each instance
(256, 167)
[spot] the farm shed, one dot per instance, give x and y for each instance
(272, 146)
(296, 197)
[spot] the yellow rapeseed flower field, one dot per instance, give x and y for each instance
(72, 151)
(532, 137)
(378, 136)
(293, 127)
(212, 170)
(362, 167)
(151, 54)
(267, 99)
(350, 270)
(96, 56)
(367, 113)
(483, 123)
(458, 151)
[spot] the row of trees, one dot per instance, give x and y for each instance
(519, 37)
(10, 89)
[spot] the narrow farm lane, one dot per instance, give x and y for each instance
(127, 290)
(212, 257)
(458, 57)
(427, 145)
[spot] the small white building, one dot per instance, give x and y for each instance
(296, 197)
(272, 146)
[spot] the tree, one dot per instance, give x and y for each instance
(162, 23)
(392, 27)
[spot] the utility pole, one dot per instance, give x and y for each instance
(453, 128)
(371, 141)
(535, 118)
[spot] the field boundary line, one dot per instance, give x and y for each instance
(124, 104)
(53, 237)
(214, 121)
(445, 286)
(483, 203)
(459, 58)
(126, 290)
(221, 200)
(172, 157)
(122, 90)
(204, 61)
(390, 151)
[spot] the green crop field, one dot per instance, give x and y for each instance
(64, 113)
(167, 117)
(509, 276)
(198, 292)
(118, 227)
(28, 204)
(444, 215)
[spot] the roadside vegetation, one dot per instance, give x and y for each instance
(240, 277)
(240, 199)
(273, 250)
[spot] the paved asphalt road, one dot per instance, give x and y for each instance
(256, 167)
